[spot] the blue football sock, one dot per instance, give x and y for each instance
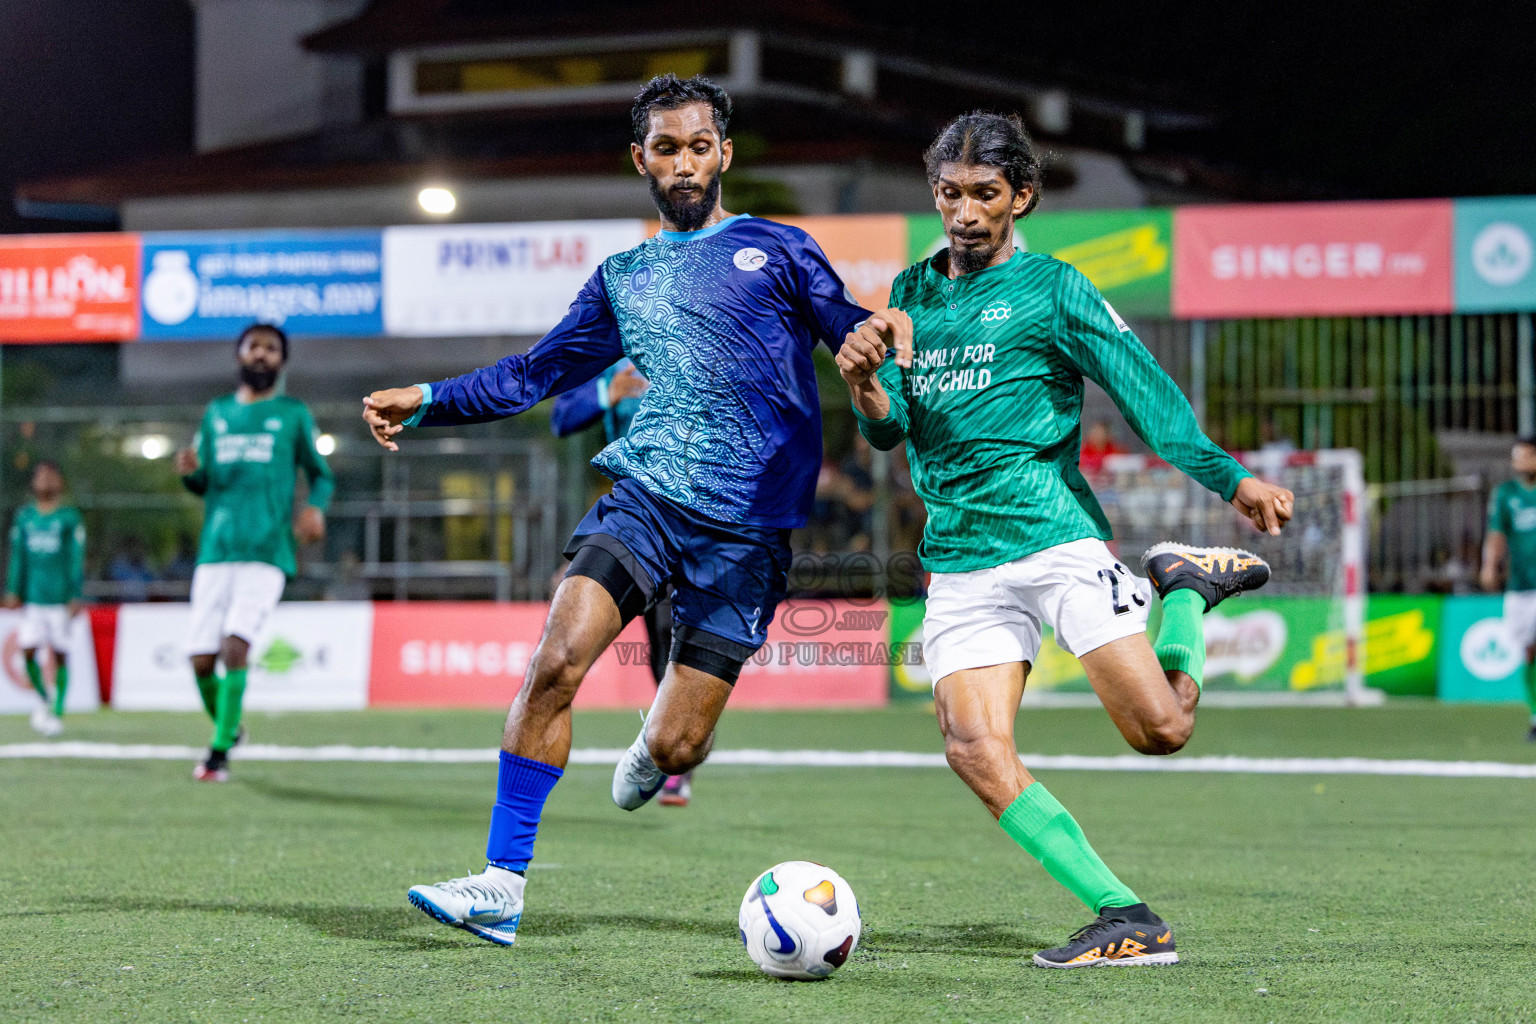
(522, 786)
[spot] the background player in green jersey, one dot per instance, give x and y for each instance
(989, 399)
(1509, 558)
(46, 573)
(244, 463)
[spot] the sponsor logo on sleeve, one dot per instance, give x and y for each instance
(1116, 317)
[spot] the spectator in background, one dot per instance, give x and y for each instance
(131, 571)
(858, 496)
(1098, 444)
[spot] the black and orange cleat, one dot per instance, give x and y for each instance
(1120, 937)
(1214, 573)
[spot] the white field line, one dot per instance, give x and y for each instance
(800, 759)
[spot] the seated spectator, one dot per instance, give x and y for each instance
(1098, 444)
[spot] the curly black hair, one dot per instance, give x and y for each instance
(668, 92)
(997, 140)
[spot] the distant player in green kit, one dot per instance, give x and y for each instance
(244, 463)
(989, 400)
(46, 573)
(1509, 558)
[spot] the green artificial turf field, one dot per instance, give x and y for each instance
(129, 893)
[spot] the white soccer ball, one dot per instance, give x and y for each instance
(799, 920)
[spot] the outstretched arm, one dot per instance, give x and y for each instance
(1496, 544)
(1495, 551)
(1103, 348)
(579, 348)
(16, 574)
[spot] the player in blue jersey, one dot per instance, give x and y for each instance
(612, 399)
(720, 313)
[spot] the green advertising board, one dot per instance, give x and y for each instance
(1478, 659)
(1127, 254)
(1293, 644)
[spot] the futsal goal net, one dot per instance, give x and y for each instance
(1303, 634)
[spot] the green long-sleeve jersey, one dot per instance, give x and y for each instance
(249, 456)
(47, 555)
(991, 408)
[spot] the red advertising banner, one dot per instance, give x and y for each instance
(438, 654)
(69, 288)
(1312, 259)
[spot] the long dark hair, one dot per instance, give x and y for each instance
(996, 140)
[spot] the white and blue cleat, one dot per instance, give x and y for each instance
(488, 905)
(636, 778)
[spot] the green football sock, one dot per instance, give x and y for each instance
(60, 688)
(226, 725)
(1048, 833)
(208, 689)
(1181, 640)
(35, 675)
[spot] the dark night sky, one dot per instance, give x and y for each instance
(1362, 99)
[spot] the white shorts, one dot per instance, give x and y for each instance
(993, 616)
(1520, 617)
(232, 599)
(44, 625)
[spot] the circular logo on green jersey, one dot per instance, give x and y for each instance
(995, 312)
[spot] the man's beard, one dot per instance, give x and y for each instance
(971, 258)
(682, 214)
(257, 378)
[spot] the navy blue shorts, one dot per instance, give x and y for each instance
(727, 579)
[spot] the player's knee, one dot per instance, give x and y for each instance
(976, 756)
(676, 751)
(1165, 735)
(29, 654)
(556, 673)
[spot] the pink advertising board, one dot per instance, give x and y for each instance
(1312, 259)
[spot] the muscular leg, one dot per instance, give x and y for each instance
(976, 709)
(1154, 709)
(583, 621)
(680, 730)
(536, 741)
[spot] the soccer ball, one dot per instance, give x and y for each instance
(799, 920)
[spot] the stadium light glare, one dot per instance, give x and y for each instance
(437, 201)
(155, 446)
(325, 444)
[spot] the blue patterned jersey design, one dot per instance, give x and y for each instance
(722, 322)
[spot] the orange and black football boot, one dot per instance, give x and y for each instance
(1214, 573)
(1120, 937)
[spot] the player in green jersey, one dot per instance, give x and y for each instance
(46, 574)
(244, 463)
(986, 387)
(1509, 558)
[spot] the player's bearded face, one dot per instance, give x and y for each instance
(686, 203)
(261, 360)
(978, 207)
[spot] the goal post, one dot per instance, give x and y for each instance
(1318, 563)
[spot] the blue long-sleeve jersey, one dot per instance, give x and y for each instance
(722, 323)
